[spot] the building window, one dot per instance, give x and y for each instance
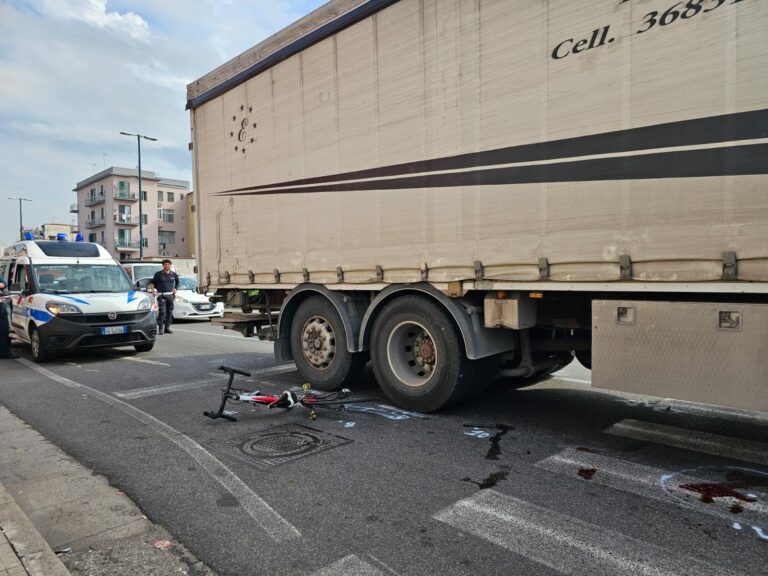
(181, 196)
(171, 197)
(102, 213)
(159, 195)
(101, 189)
(123, 214)
(145, 241)
(123, 187)
(143, 195)
(145, 219)
(92, 237)
(166, 237)
(102, 236)
(168, 216)
(194, 208)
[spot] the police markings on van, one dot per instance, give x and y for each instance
(74, 295)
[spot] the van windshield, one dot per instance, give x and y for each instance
(80, 278)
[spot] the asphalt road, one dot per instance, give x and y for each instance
(554, 479)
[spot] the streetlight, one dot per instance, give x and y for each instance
(141, 223)
(21, 218)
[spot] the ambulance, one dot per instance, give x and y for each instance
(67, 296)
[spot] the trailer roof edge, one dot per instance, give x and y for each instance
(324, 31)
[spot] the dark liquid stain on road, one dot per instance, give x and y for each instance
(489, 482)
(710, 491)
(495, 449)
(587, 473)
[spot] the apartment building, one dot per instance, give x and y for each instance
(108, 213)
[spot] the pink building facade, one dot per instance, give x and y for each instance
(108, 213)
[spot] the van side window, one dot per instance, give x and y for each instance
(20, 277)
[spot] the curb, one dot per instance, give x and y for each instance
(33, 552)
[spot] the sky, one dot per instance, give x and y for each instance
(75, 73)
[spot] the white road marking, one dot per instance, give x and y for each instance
(574, 380)
(736, 448)
(159, 390)
(565, 543)
(281, 369)
(276, 527)
(350, 566)
(645, 481)
(143, 360)
(214, 334)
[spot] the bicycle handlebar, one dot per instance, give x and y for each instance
(231, 370)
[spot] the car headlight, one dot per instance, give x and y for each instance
(144, 304)
(57, 308)
(180, 299)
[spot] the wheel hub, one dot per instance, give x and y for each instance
(412, 354)
(318, 342)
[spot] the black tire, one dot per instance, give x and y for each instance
(325, 362)
(144, 346)
(427, 369)
(39, 353)
(585, 357)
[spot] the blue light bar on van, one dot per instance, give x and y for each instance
(79, 238)
(61, 237)
(28, 236)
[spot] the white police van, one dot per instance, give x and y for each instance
(73, 295)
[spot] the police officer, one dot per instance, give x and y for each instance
(165, 282)
(5, 337)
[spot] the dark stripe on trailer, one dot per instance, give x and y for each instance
(731, 161)
(714, 129)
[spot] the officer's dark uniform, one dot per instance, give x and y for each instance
(5, 338)
(165, 284)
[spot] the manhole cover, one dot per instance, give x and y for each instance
(282, 444)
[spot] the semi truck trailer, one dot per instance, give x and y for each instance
(458, 191)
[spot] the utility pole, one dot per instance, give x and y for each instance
(141, 219)
(21, 216)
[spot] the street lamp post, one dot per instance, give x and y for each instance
(21, 218)
(141, 220)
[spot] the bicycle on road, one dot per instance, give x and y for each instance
(287, 400)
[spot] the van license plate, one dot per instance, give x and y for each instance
(114, 330)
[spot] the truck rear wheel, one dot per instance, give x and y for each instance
(418, 357)
(319, 346)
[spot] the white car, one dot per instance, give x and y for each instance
(189, 304)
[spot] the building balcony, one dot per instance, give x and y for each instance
(73, 209)
(125, 196)
(93, 200)
(95, 222)
(126, 220)
(126, 245)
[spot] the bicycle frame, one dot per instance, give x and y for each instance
(286, 400)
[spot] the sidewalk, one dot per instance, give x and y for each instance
(48, 502)
(23, 552)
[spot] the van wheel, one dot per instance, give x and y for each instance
(319, 346)
(418, 356)
(144, 347)
(39, 352)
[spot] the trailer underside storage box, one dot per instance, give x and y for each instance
(704, 352)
